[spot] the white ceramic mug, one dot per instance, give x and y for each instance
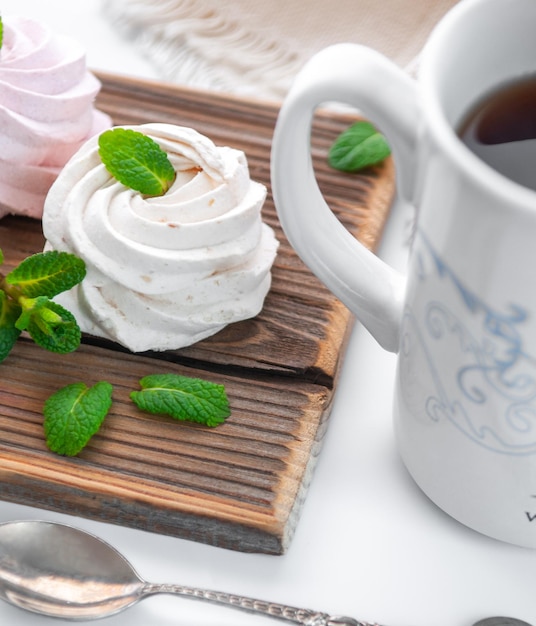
(463, 319)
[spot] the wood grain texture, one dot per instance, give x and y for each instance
(241, 485)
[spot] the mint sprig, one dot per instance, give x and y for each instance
(74, 414)
(47, 274)
(26, 305)
(183, 398)
(359, 146)
(136, 160)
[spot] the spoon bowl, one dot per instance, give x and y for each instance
(57, 570)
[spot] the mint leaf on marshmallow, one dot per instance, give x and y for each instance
(136, 161)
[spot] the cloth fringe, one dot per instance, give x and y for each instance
(187, 40)
(256, 47)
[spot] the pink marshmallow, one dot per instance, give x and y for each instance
(46, 112)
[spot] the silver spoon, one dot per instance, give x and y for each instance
(501, 621)
(57, 570)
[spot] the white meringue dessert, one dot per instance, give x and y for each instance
(163, 272)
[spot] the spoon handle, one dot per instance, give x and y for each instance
(290, 614)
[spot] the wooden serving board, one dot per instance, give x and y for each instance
(241, 485)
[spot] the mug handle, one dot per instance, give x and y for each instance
(355, 75)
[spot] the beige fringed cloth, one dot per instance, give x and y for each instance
(255, 47)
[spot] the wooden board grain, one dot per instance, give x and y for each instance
(241, 485)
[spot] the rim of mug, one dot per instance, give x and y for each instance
(485, 174)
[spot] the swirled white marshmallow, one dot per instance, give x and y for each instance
(46, 111)
(163, 272)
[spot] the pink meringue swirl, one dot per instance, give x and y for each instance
(46, 111)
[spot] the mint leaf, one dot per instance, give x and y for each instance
(136, 160)
(47, 274)
(1, 38)
(359, 146)
(183, 398)
(74, 414)
(9, 333)
(1, 256)
(53, 327)
(25, 302)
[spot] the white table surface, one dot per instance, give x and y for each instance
(369, 544)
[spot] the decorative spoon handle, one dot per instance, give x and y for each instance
(304, 617)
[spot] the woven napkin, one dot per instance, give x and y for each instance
(255, 47)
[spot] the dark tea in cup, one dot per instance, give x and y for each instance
(501, 130)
